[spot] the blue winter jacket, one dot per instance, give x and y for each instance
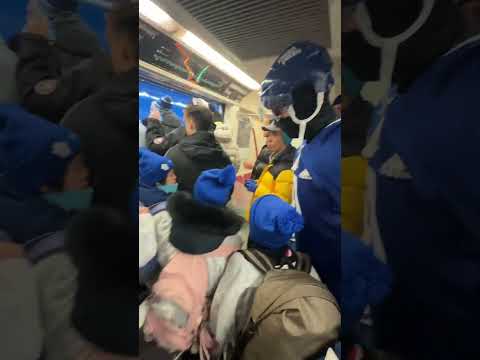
(349, 268)
(428, 209)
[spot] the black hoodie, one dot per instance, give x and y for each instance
(195, 154)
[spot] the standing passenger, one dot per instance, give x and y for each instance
(107, 121)
(277, 177)
(199, 150)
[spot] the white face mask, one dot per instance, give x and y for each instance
(377, 91)
(303, 122)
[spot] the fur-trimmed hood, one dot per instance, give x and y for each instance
(198, 228)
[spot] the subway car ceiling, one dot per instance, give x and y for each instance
(248, 34)
(260, 28)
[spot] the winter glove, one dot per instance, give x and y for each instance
(251, 185)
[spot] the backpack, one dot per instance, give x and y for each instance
(289, 305)
(178, 307)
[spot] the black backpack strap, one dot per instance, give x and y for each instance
(303, 263)
(257, 259)
(45, 245)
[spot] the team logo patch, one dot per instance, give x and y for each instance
(165, 167)
(61, 150)
(46, 87)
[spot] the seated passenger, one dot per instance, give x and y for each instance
(203, 234)
(157, 179)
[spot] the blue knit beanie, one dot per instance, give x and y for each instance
(152, 167)
(33, 151)
(214, 187)
(273, 222)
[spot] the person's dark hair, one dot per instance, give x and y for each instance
(201, 116)
(337, 101)
(125, 22)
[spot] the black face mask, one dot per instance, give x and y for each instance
(416, 54)
(362, 58)
(326, 116)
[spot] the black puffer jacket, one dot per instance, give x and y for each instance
(155, 130)
(195, 154)
(263, 160)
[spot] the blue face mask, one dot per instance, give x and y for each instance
(71, 200)
(169, 189)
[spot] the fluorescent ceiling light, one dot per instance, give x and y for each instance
(151, 11)
(218, 60)
(154, 13)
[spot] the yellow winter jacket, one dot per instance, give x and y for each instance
(276, 178)
(354, 169)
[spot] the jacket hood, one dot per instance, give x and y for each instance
(197, 228)
(25, 218)
(202, 146)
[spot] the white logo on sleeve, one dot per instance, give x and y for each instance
(395, 168)
(61, 150)
(305, 175)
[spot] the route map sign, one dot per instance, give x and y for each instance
(161, 51)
